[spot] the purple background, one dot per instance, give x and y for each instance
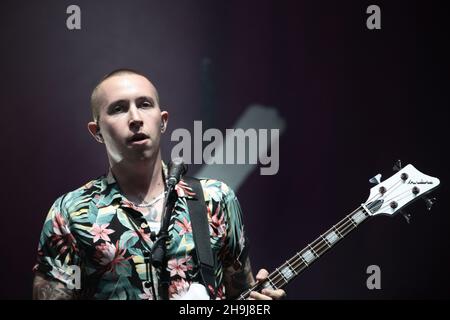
(354, 101)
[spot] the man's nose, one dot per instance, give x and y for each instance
(135, 120)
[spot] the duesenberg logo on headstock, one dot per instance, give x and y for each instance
(420, 182)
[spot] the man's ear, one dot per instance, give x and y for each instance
(94, 130)
(164, 120)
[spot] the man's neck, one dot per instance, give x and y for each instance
(140, 181)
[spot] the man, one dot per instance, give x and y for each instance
(104, 229)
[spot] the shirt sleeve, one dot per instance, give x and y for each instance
(236, 240)
(58, 253)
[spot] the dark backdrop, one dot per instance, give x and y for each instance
(354, 100)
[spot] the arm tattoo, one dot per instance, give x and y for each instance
(47, 289)
(236, 281)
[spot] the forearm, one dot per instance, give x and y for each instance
(236, 281)
(48, 289)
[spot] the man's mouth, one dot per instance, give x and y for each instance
(137, 137)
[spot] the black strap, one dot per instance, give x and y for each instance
(200, 230)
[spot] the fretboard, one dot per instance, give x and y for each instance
(304, 258)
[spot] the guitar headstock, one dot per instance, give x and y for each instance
(393, 194)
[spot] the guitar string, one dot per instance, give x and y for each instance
(325, 244)
(296, 260)
(392, 199)
(276, 278)
(342, 227)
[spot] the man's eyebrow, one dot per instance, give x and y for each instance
(112, 104)
(122, 101)
(146, 98)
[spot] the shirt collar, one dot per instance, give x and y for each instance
(109, 179)
(111, 191)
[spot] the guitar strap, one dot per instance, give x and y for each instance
(200, 230)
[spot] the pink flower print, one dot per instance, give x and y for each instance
(220, 293)
(60, 226)
(100, 232)
(185, 226)
(110, 256)
(105, 253)
(217, 224)
(178, 288)
(183, 189)
(178, 266)
(62, 236)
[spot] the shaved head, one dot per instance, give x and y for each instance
(97, 97)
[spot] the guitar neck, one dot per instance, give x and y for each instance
(304, 258)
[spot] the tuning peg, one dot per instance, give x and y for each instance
(429, 202)
(397, 166)
(376, 179)
(406, 215)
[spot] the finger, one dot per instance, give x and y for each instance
(262, 275)
(274, 294)
(259, 296)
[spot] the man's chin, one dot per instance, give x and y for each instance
(146, 153)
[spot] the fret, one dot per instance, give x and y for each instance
(325, 240)
(285, 276)
(295, 266)
(332, 237)
(269, 284)
(345, 227)
(358, 217)
(337, 230)
(291, 267)
(308, 256)
(312, 250)
(301, 257)
(353, 222)
(322, 246)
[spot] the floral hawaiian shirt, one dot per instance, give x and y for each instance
(98, 232)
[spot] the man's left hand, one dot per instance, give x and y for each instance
(266, 294)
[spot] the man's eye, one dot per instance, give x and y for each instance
(146, 104)
(117, 108)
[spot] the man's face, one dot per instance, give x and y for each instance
(130, 118)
